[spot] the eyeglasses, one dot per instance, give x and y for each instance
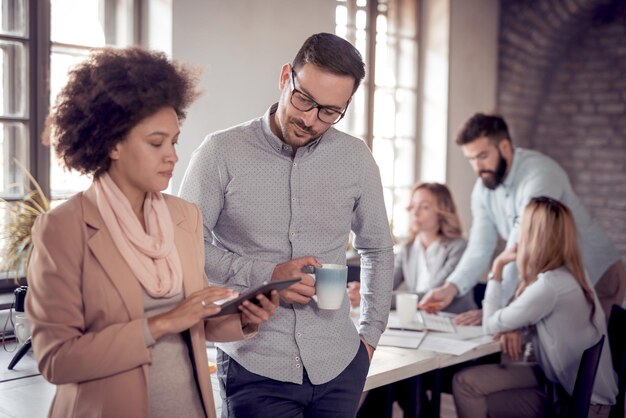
(304, 103)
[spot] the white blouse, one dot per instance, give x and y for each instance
(420, 262)
(437, 262)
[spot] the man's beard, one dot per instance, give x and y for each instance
(302, 125)
(497, 176)
(291, 136)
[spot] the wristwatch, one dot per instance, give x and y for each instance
(490, 275)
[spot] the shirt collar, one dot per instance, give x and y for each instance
(510, 177)
(275, 142)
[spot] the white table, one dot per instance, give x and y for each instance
(24, 393)
(391, 364)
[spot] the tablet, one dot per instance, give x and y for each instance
(231, 306)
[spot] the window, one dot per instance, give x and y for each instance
(14, 111)
(20, 121)
(384, 110)
(95, 23)
(37, 50)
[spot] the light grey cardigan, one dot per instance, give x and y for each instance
(440, 262)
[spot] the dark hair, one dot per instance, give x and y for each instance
(332, 53)
(107, 95)
(483, 125)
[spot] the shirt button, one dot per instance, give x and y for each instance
(297, 365)
(299, 334)
(292, 234)
(297, 358)
(295, 164)
(293, 199)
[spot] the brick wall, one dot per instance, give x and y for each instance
(563, 91)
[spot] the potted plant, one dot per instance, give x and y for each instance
(16, 233)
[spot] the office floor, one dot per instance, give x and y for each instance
(447, 408)
(25, 394)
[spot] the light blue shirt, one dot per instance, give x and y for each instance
(262, 206)
(498, 212)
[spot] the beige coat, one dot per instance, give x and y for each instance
(86, 310)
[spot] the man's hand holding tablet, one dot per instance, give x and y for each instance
(231, 306)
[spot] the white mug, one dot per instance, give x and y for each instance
(406, 307)
(330, 285)
(21, 327)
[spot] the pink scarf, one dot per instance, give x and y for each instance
(151, 255)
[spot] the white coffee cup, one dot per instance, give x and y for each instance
(406, 307)
(330, 285)
(21, 327)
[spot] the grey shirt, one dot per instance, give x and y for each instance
(441, 259)
(263, 206)
(172, 387)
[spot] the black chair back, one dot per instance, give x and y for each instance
(617, 341)
(586, 377)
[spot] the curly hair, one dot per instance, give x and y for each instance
(107, 95)
(449, 221)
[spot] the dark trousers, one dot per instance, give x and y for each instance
(379, 401)
(248, 395)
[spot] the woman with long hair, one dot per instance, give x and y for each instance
(554, 297)
(433, 248)
(118, 300)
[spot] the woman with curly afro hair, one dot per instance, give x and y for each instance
(118, 299)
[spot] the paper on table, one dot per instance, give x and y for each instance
(464, 332)
(404, 339)
(394, 322)
(434, 322)
(447, 346)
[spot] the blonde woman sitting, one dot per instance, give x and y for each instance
(556, 298)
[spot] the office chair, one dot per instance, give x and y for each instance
(20, 297)
(583, 388)
(25, 348)
(617, 342)
(479, 294)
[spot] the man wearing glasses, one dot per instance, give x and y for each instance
(281, 193)
(509, 178)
